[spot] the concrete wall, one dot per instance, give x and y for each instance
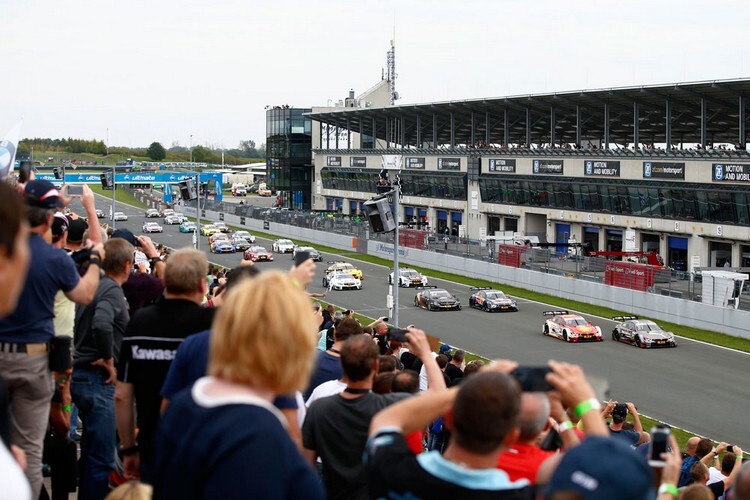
(282, 230)
(682, 312)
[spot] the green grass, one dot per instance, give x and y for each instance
(122, 196)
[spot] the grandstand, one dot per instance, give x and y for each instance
(652, 168)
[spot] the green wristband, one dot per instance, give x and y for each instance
(587, 406)
(565, 426)
(67, 408)
(669, 488)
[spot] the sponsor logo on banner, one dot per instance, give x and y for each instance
(449, 163)
(501, 166)
(333, 161)
(602, 168)
(402, 252)
(731, 172)
(415, 163)
(358, 161)
(663, 170)
(548, 167)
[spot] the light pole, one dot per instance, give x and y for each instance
(198, 213)
(396, 276)
(191, 149)
(114, 191)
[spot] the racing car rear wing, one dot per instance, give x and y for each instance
(623, 318)
(554, 313)
(480, 288)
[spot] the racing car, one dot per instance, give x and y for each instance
(283, 246)
(173, 219)
(152, 227)
(221, 227)
(99, 214)
(257, 254)
(314, 254)
(570, 327)
(487, 299)
(246, 235)
(346, 267)
(119, 216)
(222, 246)
(642, 333)
(240, 244)
(216, 237)
(408, 277)
(209, 229)
(340, 280)
(187, 227)
(152, 212)
(433, 298)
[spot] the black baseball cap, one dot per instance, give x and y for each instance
(42, 194)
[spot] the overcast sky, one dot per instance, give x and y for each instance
(161, 70)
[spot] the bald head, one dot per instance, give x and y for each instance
(692, 445)
(534, 415)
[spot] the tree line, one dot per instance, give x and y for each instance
(68, 145)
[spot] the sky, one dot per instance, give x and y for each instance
(139, 71)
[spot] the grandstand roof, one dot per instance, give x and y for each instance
(699, 112)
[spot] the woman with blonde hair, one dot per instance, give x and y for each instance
(223, 438)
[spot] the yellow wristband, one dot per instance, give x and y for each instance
(586, 406)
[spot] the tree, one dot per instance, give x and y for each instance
(156, 151)
(201, 155)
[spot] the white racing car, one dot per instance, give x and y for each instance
(408, 277)
(338, 280)
(152, 227)
(283, 246)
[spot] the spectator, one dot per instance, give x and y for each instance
(473, 367)
(387, 364)
(148, 347)
(442, 361)
(328, 365)
(98, 335)
(741, 490)
(14, 263)
(25, 334)
(524, 457)
(725, 465)
(142, 288)
(253, 358)
(382, 384)
(700, 475)
(466, 470)
(336, 427)
(688, 460)
(453, 370)
(632, 438)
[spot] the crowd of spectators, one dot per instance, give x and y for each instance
(198, 383)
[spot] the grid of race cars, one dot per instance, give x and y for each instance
(340, 275)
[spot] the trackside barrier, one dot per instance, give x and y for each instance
(682, 312)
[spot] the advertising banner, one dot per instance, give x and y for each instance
(601, 168)
(509, 255)
(358, 161)
(738, 173)
(501, 166)
(449, 163)
(548, 167)
(663, 170)
(415, 163)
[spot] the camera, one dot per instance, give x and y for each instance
(397, 334)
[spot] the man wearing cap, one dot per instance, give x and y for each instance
(631, 438)
(26, 333)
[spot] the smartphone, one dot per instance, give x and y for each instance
(532, 379)
(385, 320)
(552, 441)
(301, 257)
(75, 190)
(659, 444)
(730, 449)
(397, 334)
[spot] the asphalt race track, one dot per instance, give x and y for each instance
(698, 387)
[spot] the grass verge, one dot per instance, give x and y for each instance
(122, 196)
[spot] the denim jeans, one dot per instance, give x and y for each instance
(96, 406)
